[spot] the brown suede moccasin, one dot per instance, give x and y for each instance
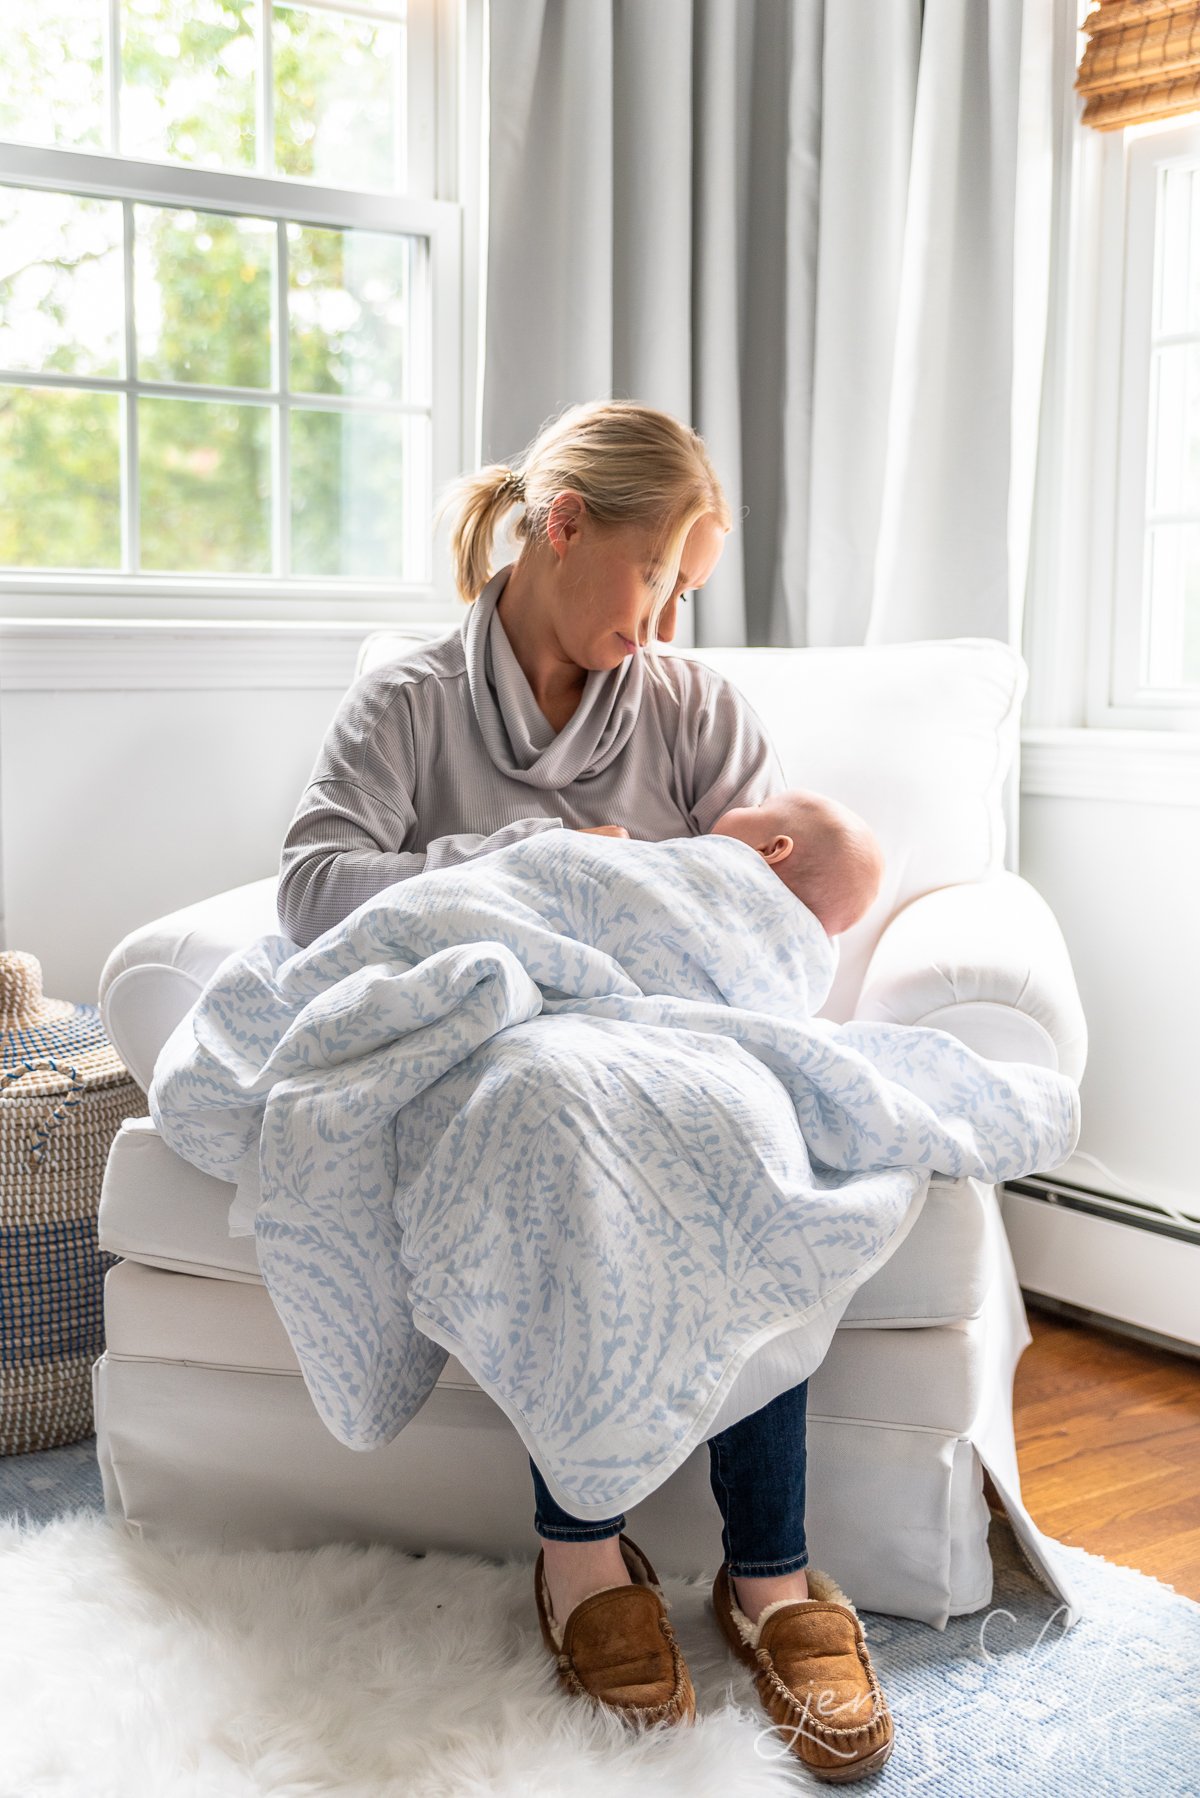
(814, 1676)
(618, 1648)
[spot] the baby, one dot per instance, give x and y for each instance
(823, 852)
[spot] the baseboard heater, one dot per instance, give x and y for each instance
(1127, 1261)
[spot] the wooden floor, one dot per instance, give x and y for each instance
(1108, 1440)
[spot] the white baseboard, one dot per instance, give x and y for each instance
(1105, 1265)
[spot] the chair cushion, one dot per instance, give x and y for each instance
(159, 1209)
(927, 1379)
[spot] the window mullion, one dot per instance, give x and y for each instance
(131, 535)
(419, 99)
(265, 107)
(203, 390)
(283, 415)
(401, 112)
(357, 9)
(112, 58)
(421, 332)
(216, 190)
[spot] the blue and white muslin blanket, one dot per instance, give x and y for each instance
(566, 1112)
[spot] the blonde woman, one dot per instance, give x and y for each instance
(551, 709)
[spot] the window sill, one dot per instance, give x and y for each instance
(1143, 767)
(171, 600)
(164, 655)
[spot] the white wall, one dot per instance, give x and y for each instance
(1121, 876)
(141, 771)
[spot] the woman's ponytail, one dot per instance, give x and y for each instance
(479, 502)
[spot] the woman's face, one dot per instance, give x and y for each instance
(603, 577)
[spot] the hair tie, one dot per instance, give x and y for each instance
(513, 483)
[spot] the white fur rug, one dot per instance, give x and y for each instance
(132, 1671)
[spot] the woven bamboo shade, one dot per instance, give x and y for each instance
(1142, 62)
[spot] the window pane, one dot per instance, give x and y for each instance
(348, 311)
(1174, 463)
(203, 289)
(337, 81)
(52, 73)
(60, 283)
(60, 455)
(187, 81)
(350, 476)
(205, 475)
(1173, 590)
(1175, 251)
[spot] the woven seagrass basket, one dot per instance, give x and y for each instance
(63, 1093)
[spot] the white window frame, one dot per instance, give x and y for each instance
(1128, 162)
(444, 54)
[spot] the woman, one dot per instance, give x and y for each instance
(552, 709)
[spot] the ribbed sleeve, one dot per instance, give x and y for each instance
(341, 849)
(729, 756)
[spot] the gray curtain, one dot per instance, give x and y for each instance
(818, 231)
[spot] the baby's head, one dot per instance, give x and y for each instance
(823, 852)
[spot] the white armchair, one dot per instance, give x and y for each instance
(205, 1428)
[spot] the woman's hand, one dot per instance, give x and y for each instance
(601, 830)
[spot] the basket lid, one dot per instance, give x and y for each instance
(47, 1045)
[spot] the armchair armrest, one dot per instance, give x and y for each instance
(155, 974)
(987, 962)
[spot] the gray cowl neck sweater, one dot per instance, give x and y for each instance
(519, 737)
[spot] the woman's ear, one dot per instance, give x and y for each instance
(563, 524)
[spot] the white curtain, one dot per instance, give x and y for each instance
(818, 231)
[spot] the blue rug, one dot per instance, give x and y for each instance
(1003, 1704)
(1109, 1708)
(38, 1488)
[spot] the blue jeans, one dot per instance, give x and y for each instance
(756, 1470)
